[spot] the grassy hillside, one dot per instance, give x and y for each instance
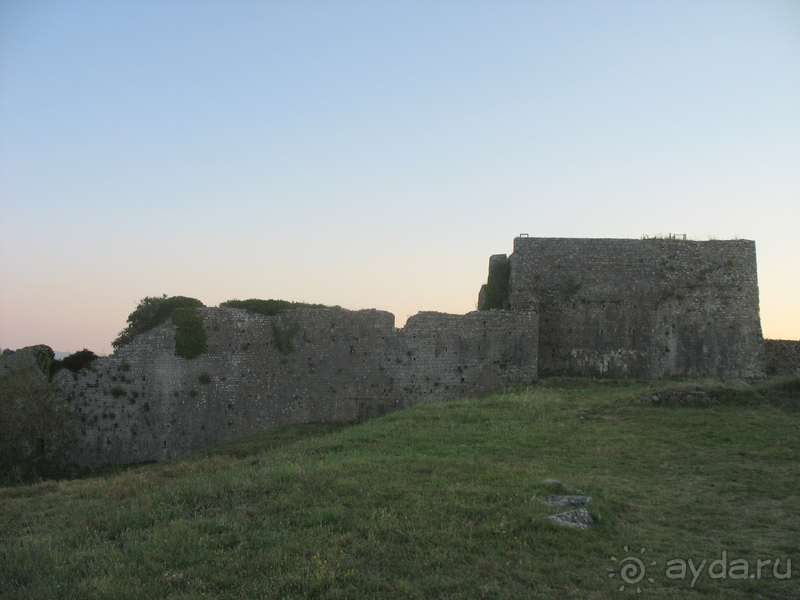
(440, 501)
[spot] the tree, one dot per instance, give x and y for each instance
(33, 421)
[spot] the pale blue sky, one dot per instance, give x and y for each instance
(374, 154)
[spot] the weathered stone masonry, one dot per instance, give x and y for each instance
(640, 308)
(782, 357)
(146, 403)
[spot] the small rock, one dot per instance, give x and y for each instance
(579, 518)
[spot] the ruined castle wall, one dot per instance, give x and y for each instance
(782, 356)
(146, 403)
(461, 355)
(641, 308)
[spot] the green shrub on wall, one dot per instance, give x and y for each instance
(152, 312)
(190, 338)
(282, 335)
(270, 308)
(79, 360)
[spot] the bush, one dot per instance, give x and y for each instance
(79, 360)
(32, 423)
(151, 312)
(190, 339)
(270, 308)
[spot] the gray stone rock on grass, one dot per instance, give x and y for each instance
(579, 518)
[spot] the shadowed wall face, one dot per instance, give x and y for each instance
(641, 308)
(310, 365)
(782, 357)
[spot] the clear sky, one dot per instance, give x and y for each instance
(375, 154)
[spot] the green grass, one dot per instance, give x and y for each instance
(439, 501)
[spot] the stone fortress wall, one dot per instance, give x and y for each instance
(782, 357)
(645, 308)
(146, 403)
(591, 307)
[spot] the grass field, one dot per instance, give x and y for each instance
(441, 501)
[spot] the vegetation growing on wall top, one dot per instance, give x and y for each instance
(78, 360)
(151, 312)
(74, 362)
(190, 339)
(270, 308)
